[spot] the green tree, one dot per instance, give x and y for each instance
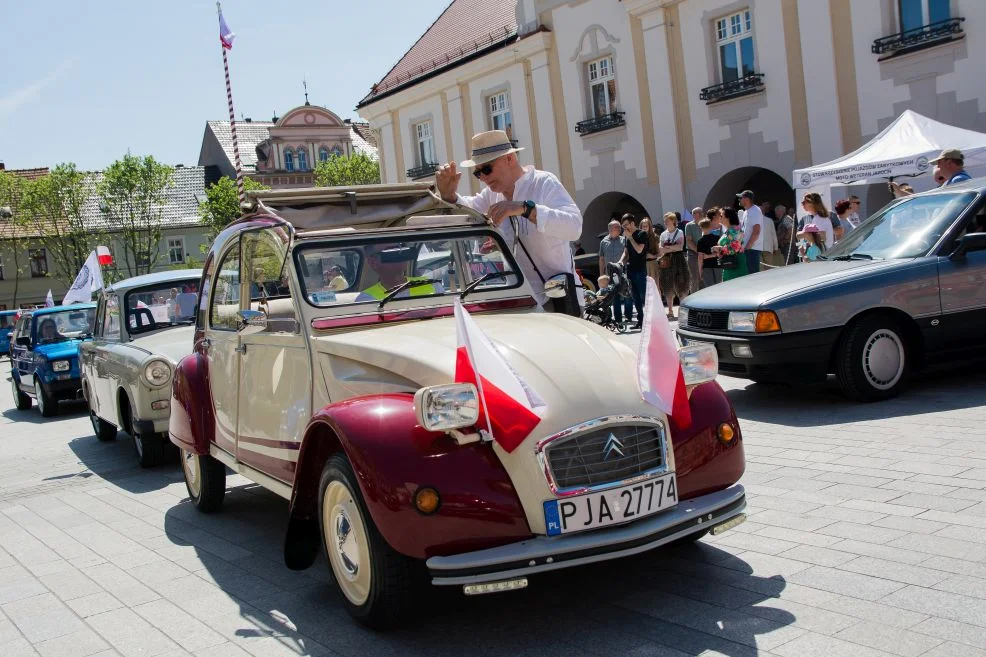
(14, 223)
(343, 171)
(53, 208)
(222, 204)
(133, 192)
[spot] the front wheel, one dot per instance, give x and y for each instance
(47, 406)
(21, 399)
(104, 430)
(149, 448)
(873, 362)
(205, 479)
(377, 583)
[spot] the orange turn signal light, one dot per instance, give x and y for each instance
(427, 500)
(726, 433)
(767, 322)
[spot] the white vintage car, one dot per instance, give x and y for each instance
(143, 328)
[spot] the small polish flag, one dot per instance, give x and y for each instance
(659, 374)
(104, 255)
(49, 300)
(509, 407)
(226, 35)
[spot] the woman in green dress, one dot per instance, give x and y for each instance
(731, 244)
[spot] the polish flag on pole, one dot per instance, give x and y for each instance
(226, 35)
(659, 374)
(104, 255)
(49, 300)
(509, 407)
(88, 280)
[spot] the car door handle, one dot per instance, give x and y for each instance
(241, 349)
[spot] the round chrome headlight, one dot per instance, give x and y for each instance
(157, 372)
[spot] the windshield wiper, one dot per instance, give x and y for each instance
(855, 256)
(482, 279)
(406, 285)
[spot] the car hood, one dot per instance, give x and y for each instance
(56, 350)
(748, 292)
(173, 343)
(581, 371)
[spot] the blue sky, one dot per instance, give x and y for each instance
(84, 82)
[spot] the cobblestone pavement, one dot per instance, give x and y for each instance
(866, 537)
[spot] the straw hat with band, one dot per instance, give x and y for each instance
(487, 146)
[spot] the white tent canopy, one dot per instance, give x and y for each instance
(902, 149)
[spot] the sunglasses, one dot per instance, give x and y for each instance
(485, 170)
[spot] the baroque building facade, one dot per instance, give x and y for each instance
(661, 105)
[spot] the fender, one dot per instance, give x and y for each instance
(192, 425)
(702, 463)
(392, 457)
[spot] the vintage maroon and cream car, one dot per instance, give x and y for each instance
(324, 370)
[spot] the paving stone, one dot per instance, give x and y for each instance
(19, 647)
(896, 571)
(70, 584)
(937, 502)
(857, 516)
(952, 631)
(910, 524)
(755, 542)
(818, 555)
(973, 587)
(83, 643)
(130, 634)
(958, 566)
(950, 649)
(943, 604)
(819, 645)
(793, 535)
(190, 633)
(889, 639)
(873, 611)
(792, 521)
(946, 547)
(866, 533)
(846, 583)
(93, 604)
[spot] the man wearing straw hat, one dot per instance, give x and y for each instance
(528, 206)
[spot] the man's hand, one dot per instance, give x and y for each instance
(447, 180)
(499, 212)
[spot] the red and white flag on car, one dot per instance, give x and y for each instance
(659, 374)
(508, 407)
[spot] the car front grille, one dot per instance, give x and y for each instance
(715, 320)
(604, 455)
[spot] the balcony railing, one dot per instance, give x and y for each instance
(600, 123)
(919, 36)
(422, 171)
(748, 84)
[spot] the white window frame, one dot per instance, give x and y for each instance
(731, 30)
(600, 72)
(424, 143)
(925, 13)
(172, 243)
(498, 106)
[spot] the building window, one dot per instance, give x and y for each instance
(915, 14)
(323, 154)
(288, 160)
(602, 87)
(425, 152)
(500, 119)
(39, 263)
(176, 250)
(337, 151)
(302, 158)
(3, 272)
(734, 42)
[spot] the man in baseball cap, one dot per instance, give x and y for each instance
(951, 163)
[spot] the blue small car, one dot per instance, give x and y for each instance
(45, 355)
(7, 318)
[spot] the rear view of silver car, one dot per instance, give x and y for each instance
(905, 289)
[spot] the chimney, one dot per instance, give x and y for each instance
(2, 166)
(248, 120)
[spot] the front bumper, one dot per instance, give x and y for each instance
(64, 389)
(801, 357)
(542, 553)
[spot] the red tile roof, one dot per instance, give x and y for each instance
(29, 174)
(465, 28)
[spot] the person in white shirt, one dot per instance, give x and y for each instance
(528, 206)
(752, 229)
(818, 215)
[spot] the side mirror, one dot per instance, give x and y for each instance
(969, 242)
(252, 321)
(556, 287)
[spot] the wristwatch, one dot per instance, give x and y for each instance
(528, 209)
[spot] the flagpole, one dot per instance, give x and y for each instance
(232, 120)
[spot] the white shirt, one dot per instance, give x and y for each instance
(752, 217)
(825, 224)
(559, 222)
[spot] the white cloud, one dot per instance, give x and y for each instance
(10, 103)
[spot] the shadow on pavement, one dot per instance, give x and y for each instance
(824, 404)
(691, 598)
(32, 415)
(116, 462)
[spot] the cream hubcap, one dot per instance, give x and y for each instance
(346, 542)
(193, 472)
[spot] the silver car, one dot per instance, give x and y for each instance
(906, 288)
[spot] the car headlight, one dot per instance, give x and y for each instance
(61, 365)
(452, 406)
(699, 363)
(682, 316)
(761, 321)
(157, 372)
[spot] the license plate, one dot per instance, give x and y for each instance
(610, 507)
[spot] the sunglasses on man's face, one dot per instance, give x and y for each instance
(484, 170)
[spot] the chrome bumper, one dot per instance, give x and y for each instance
(543, 553)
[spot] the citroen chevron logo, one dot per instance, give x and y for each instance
(612, 446)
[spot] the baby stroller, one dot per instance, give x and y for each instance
(599, 305)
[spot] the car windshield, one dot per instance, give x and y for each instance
(65, 325)
(161, 305)
(381, 270)
(906, 229)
